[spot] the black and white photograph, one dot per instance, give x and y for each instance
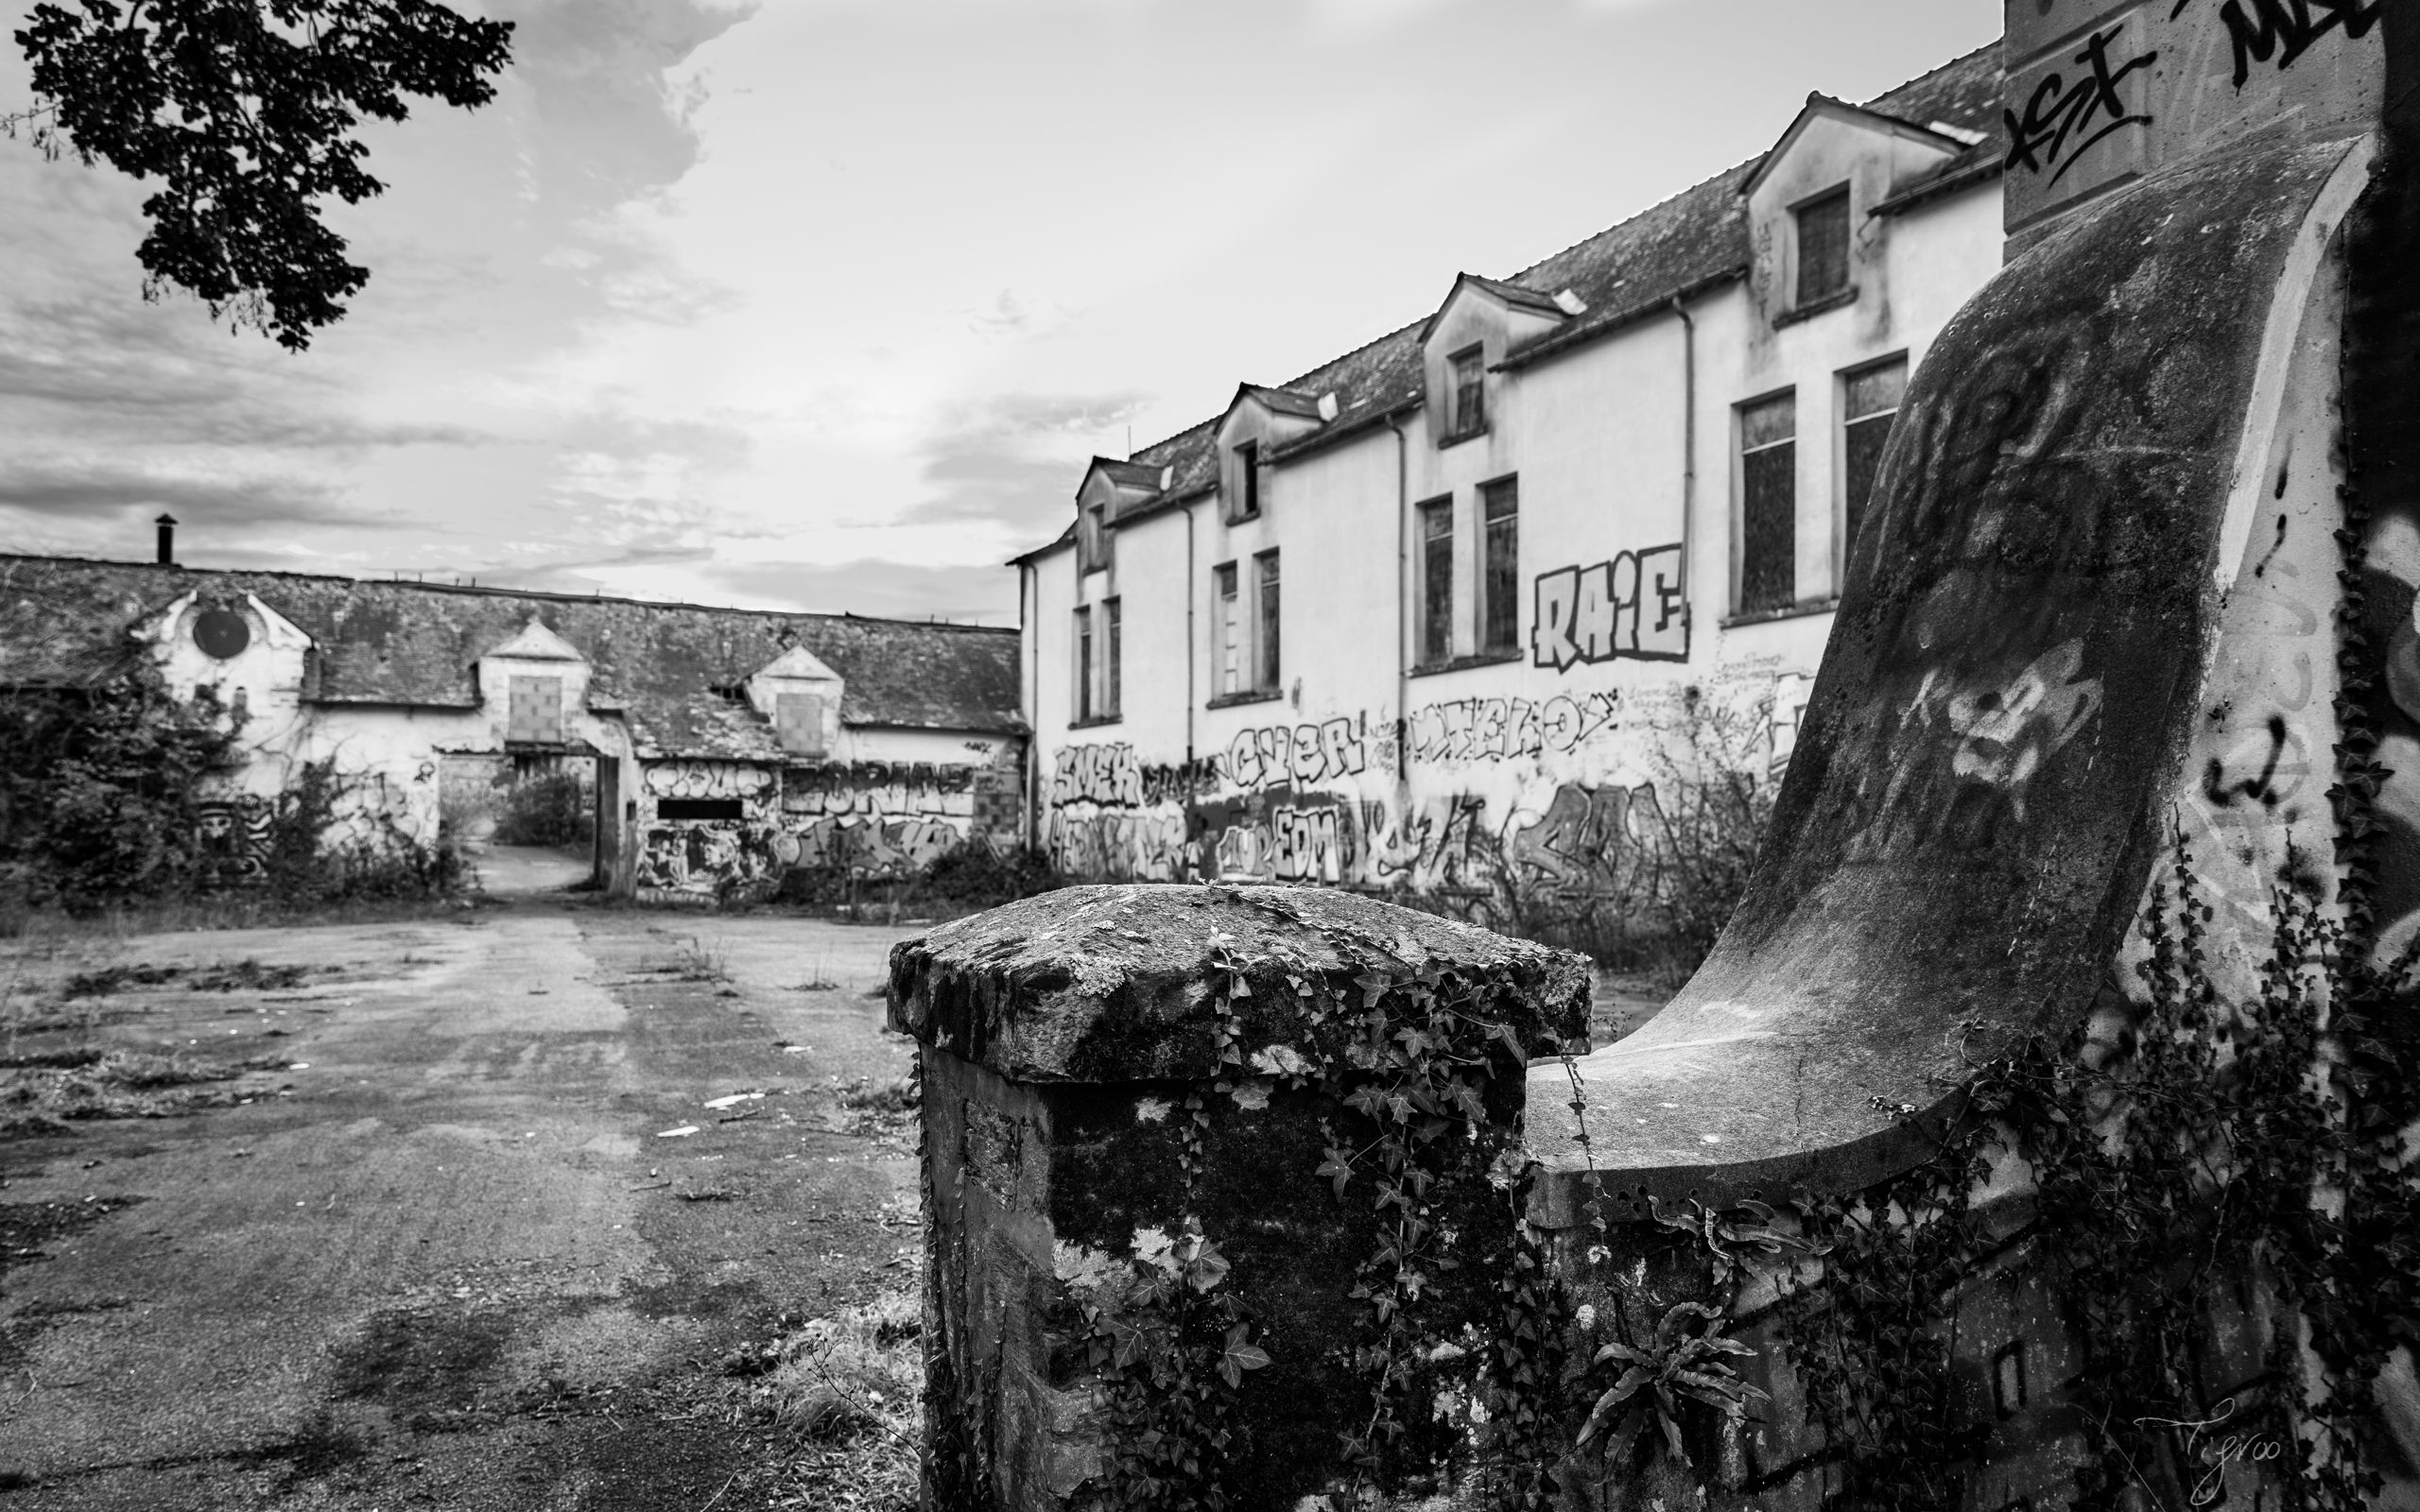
(1140, 756)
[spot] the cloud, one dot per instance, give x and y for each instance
(1014, 459)
(889, 589)
(75, 490)
(132, 373)
(610, 124)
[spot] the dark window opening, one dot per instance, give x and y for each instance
(729, 692)
(1470, 392)
(1112, 616)
(1823, 246)
(697, 807)
(1268, 662)
(1084, 663)
(1092, 540)
(1247, 479)
(1499, 589)
(1768, 505)
(1871, 403)
(1436, 581)
(1231, 630)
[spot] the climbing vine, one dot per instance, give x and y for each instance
(1417, 1076)
(2183, 1156)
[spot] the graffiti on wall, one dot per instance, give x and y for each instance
(880, 788)
(1477, 729)
(2063, 117)
(696, 778)
(1108, 774)
(1629, 607)
(2286, 29)
(867, 820)
(232, 835)
(1590, 839)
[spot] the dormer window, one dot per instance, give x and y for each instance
(1247, 480)
(1092, 537)
(1823, 246)
(1468, 371)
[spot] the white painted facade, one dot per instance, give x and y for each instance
(1378, 757)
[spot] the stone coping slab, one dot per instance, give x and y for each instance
(1112, 984)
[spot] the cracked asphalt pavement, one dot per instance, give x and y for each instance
(444, 1251)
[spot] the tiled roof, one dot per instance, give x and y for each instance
(1694, 240)
(403, 643)
(1286, 401)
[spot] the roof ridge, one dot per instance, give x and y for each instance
(1745, 165)
(549, 594)
(1933, 73)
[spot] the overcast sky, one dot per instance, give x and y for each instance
(823, 303)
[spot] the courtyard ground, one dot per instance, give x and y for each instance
(425, 1230)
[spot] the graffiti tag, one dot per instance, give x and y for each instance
(1470, 729)
(1629, 607)
(2058, 112)
(2285, 30)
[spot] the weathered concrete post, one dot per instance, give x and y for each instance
(1125, 1084)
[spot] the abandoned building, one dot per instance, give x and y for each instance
(1512, 531)
(723, 748)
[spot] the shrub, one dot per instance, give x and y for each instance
(553, 810)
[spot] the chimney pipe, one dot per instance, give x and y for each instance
(167, 524)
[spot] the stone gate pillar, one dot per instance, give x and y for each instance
(1099, 1102)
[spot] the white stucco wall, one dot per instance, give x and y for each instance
(1515, 763)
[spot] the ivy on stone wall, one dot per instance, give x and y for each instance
(1420, 1082)
(2187, 1156)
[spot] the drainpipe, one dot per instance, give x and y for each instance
(1688, 445)
(1030, 632)
(1403, 620)
(1192, 591)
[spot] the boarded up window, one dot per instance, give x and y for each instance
(1823, 246)
(798, 722)
(1869, 402)
(1768, 505)
(534, 710)
(1500, 584)
(1436, 581)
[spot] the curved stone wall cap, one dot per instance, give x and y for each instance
(1984, 774)
(1110, 983)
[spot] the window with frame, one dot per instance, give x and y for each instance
(1436, 581)
(1869, 403)
(1266, 665)
(1112, 655)
(1092, 538)
(1230, 628)
(1769, 503)
(1247, 480)
(1467, 371)
(1499, 577)
(1823, 246)
(1084, 663)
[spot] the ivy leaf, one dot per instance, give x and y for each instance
(1238, 1357)
(1338, 1167)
